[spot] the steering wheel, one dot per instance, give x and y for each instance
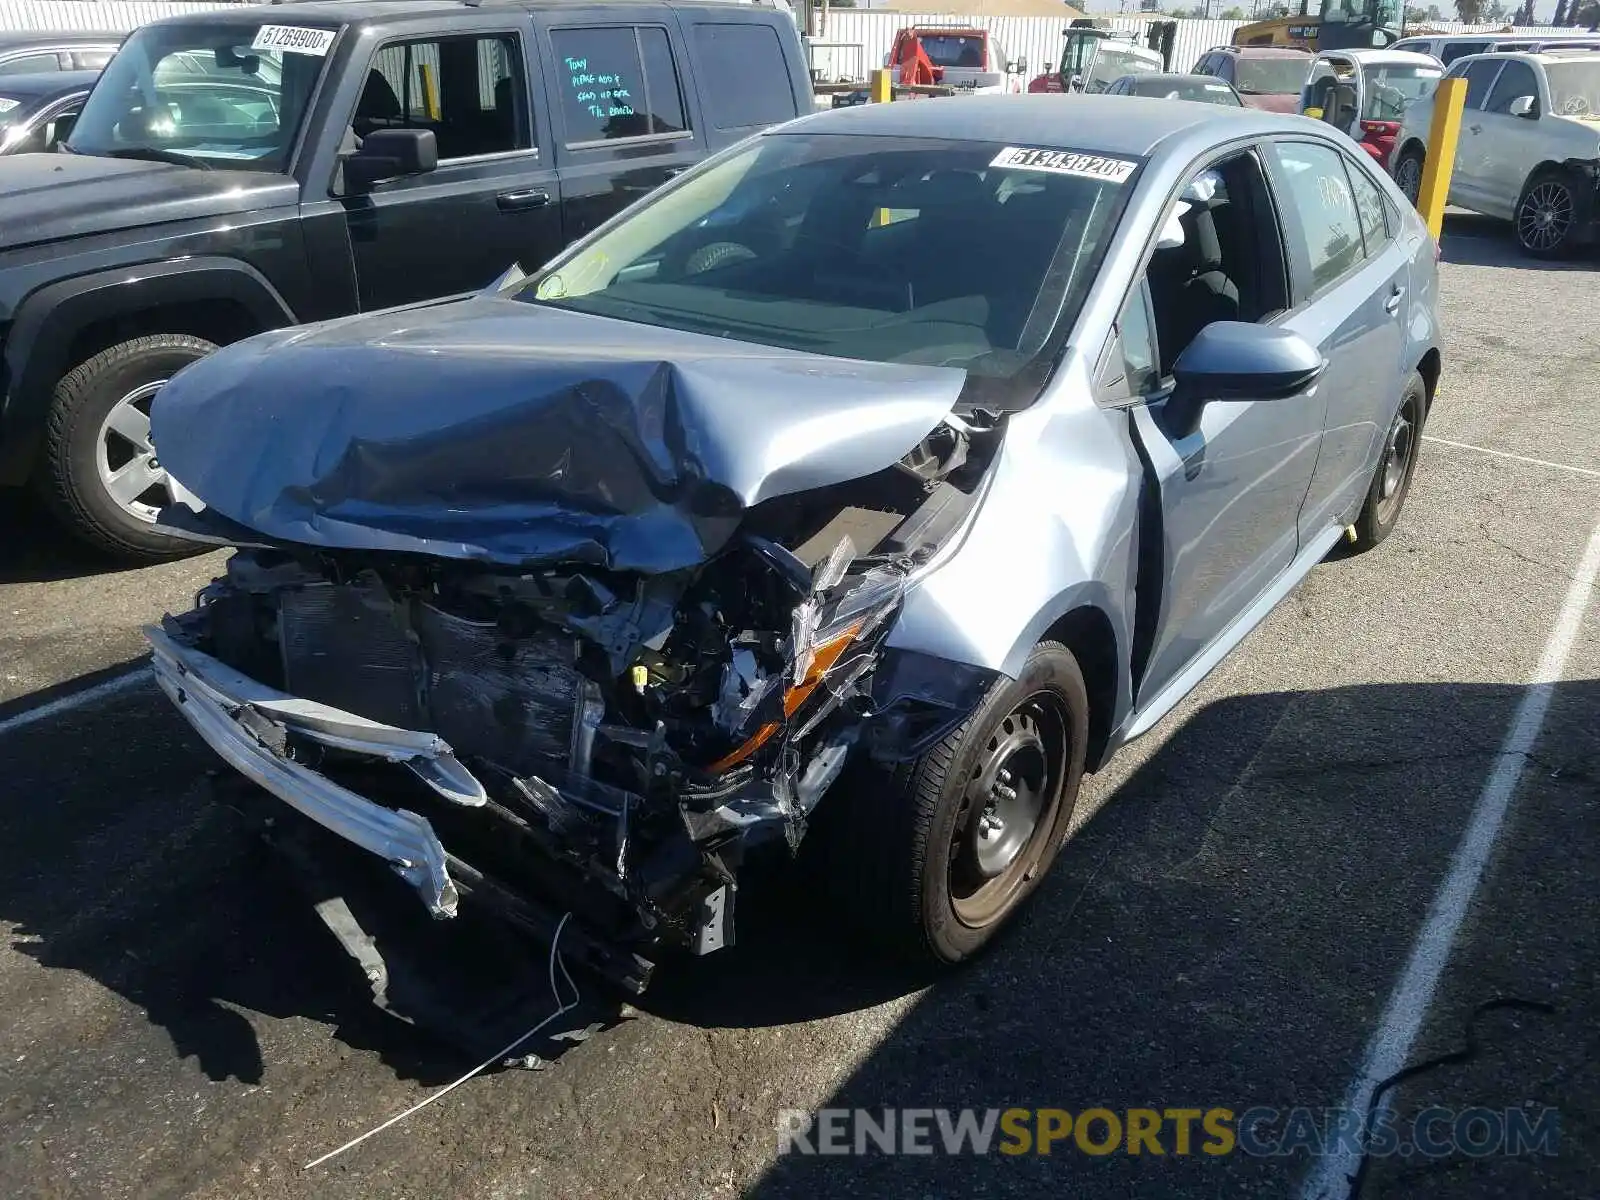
(1576, 106)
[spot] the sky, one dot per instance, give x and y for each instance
(1543, 10)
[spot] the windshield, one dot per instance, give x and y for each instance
(1574, 88)
(895, 250)
(1270, 76)
(229, 95)
(1116, 61)
(953, 50)
(1389, 89)
(1207, 91)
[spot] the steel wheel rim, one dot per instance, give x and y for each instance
(1410, 178)
(1398, 451)
(125, 460)
(1545, 216)
(1009, 810)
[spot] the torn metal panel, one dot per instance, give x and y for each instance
(220, 705)
(518, 434)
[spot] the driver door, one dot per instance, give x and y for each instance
(1226, 490)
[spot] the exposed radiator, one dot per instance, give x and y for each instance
(509, 701)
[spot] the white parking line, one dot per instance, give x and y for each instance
(1392, 1041)
(1538, 462)
(137, 677)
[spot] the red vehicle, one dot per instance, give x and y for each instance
(1266, 77)
(969, 59)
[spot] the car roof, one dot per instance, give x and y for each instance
(350, 12)
(1365, 57)
(1263, 51)
(45, 38)
(1124, 125)
(46, 83)
(1535, 56)
(1158, 77)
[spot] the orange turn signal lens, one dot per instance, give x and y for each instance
(822, 659)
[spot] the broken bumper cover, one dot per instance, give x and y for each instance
(249, 725)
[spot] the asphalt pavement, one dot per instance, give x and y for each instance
(1226, 931)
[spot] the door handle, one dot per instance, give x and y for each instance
(674, 172)
(522, 201)
(1393, 302)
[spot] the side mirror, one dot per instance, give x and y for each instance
(1234, 360)
(1526, 107)
(390, 153)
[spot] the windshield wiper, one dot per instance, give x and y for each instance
(156, 154)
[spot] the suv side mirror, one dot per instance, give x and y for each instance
(1524, 106)
(390, 153)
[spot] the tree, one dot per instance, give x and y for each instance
(1232, 14)
(1434, 14)
(1561, 13)
(1586, 14)
(1471, 11)
(1524, 14)
(1494, 10)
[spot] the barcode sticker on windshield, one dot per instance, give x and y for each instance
(1065, 162)
(294, 39)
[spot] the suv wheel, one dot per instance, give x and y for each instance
(938, 860)
(1391, 482)
(1549, 214)
(100, 473)
(1408, 173)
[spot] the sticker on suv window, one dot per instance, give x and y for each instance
(295, 39)
(1065, 162)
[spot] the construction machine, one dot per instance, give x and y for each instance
(1336, 25)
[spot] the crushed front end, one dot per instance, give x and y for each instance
(555, 740)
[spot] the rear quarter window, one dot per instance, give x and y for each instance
(745, 78)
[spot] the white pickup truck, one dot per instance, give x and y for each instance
(1530, 146)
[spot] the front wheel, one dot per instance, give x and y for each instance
(1391, 481)
(938, 858)
(1549, 215)
(100, 472)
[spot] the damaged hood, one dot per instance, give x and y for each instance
(496, 430)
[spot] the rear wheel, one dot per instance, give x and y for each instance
(100, 472)
(937, 861)
(1391, 482)
(1408, 173)
(1549, 216)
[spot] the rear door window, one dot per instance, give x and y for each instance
(31, 64)
(618, 82)
(744, 77)
(1455, 50)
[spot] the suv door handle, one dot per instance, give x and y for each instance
(1393, 302)
(522, 201)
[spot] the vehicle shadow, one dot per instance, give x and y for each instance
(35, 549)
(1264, 831)
(1225, 934)
(1476, 241)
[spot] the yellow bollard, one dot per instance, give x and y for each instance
(1449, 98)
(430, 92)
(882, 92)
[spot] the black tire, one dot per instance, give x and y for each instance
(1408, 172)
(69, 475)
(892, 854)
(1397, 465)
(1551, 214)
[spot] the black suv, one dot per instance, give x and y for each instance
(266, 166)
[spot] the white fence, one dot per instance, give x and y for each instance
(1038, 39)
(859, 39)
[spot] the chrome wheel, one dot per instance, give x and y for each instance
(1393, 471)
(1008, 810)
(1408, 174)
(129, 470)
(1545, 216)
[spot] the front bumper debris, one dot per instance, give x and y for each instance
(250, 725)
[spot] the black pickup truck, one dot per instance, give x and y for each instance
(250, 168)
